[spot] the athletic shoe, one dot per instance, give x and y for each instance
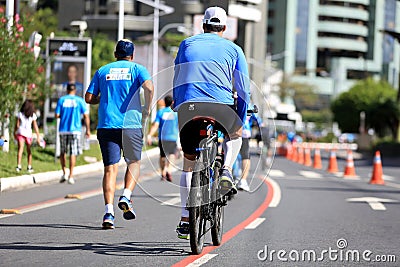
(169, 177)
(183, 230)
(63, 179)
(226, 183)
(126, 206)
(108, 221)
(71, 180)
(29, 169)
(18, 169)
(243, 185)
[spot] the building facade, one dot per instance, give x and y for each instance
(331, 43)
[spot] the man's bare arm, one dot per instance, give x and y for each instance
(148, 96)
(92, 99)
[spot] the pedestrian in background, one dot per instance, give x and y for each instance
(166, 123)
(116, 88)
(26, 118)
(70, 109)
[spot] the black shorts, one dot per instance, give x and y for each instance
(245, 149)
(112, 141)
(190, 125)
(166, 147)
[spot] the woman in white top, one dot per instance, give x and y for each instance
(23, 132)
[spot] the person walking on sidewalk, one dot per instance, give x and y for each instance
(26, 118)
(116, 88)
(70, 109)
(167, 124)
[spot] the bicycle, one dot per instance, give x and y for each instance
(205, 202)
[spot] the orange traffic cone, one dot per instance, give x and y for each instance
(332, 167)
(317, 159)
(300, 159)
(377, 172)
(295, 155)
(349, 170)
(307, 157)
(289, 153)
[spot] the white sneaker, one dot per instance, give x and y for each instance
(243, 185)
(63, 179)
(71, 180)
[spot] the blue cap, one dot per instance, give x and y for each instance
(124, 48)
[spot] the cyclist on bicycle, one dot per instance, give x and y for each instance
(207, 68)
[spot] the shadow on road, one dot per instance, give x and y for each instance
(126, 249)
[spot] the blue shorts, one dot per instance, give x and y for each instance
(112, 141)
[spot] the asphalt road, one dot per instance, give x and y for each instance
(301, 217)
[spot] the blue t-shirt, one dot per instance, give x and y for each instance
(70, 108)
(205, 67)
(118, 84)
(168, 124)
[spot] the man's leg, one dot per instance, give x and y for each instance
(110, 146)
(231, 151)
(185, 183)
(63, 160)
(132, 146)
(163, 162)
(168, 166)
(162, 159)
(72, 162)
(109, 180)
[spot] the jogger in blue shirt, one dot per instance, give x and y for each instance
(116, 87)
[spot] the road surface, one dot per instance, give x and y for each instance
(297, 217)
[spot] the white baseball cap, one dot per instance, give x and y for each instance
(215, 16)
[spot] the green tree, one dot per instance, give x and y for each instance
(43, 21)
(377, 99)
(302, 94)
(102, 52)
(21, 76)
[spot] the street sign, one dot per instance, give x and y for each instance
(374, 202)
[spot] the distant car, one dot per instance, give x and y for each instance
(347, 138)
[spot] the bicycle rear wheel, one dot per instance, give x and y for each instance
(197, 218)
(218, 209)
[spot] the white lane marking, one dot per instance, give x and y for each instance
(389, 178)
(339, 174)
(276, 173)
(2, 216)
(393, 185)
(310, 174)
(377, 206)
(203, 259)
(172, 201)
(276, 198)
(254, 224)
(374, 202)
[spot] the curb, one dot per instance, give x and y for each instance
(26, 181)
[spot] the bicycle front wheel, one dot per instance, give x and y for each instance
(197, 218)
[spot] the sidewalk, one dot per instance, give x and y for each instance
(29, 180)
